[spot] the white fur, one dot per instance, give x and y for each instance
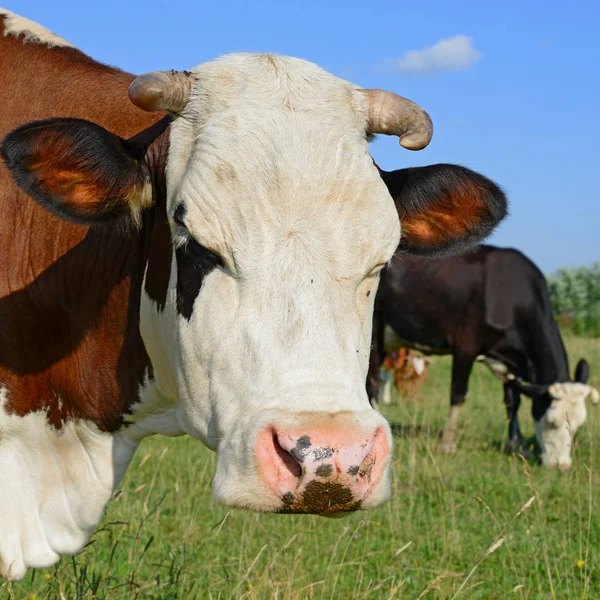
(419, 364)
(498, 368)
(565, 415)
(54, 486)
(33, 32)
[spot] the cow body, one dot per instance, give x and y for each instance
(148, 243)
(490, 305)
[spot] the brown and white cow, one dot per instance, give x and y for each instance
(148, 243)
(407, 370)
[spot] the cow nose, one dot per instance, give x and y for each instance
(321, 471)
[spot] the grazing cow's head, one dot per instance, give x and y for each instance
(565, 415)
(259, 324)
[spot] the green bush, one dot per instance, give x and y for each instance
(575, 295)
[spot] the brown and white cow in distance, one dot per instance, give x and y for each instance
(148, 242)
(407, 370)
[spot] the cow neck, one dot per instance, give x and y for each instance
(72, 345)
(541, 358)
(548, 354)
(78, 353)
(70, 294)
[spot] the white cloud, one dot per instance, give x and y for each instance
(449, 54)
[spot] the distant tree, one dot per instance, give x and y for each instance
(575, 295)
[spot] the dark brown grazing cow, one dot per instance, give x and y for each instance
(202, 258)
(491, 305)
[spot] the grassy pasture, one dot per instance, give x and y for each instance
(478, 524)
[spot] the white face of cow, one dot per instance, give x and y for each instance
(265, 343)
(565, 415)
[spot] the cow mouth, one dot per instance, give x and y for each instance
(320, 498)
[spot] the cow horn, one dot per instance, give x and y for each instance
(162, 90)
(394, 115)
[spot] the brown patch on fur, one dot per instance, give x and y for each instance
(72, 333)
(69, 294)
(444, 208)
(451, 215)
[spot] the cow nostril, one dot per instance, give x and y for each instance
(286, 458)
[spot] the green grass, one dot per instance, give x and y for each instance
(456, 525)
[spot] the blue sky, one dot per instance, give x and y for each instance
(516, 97)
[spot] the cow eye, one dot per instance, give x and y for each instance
(200, 253)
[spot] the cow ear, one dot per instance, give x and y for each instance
(444, 208)
(78, 170)
(582, 371)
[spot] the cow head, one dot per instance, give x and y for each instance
(565, 415)
(561, 411)
(278, 224)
